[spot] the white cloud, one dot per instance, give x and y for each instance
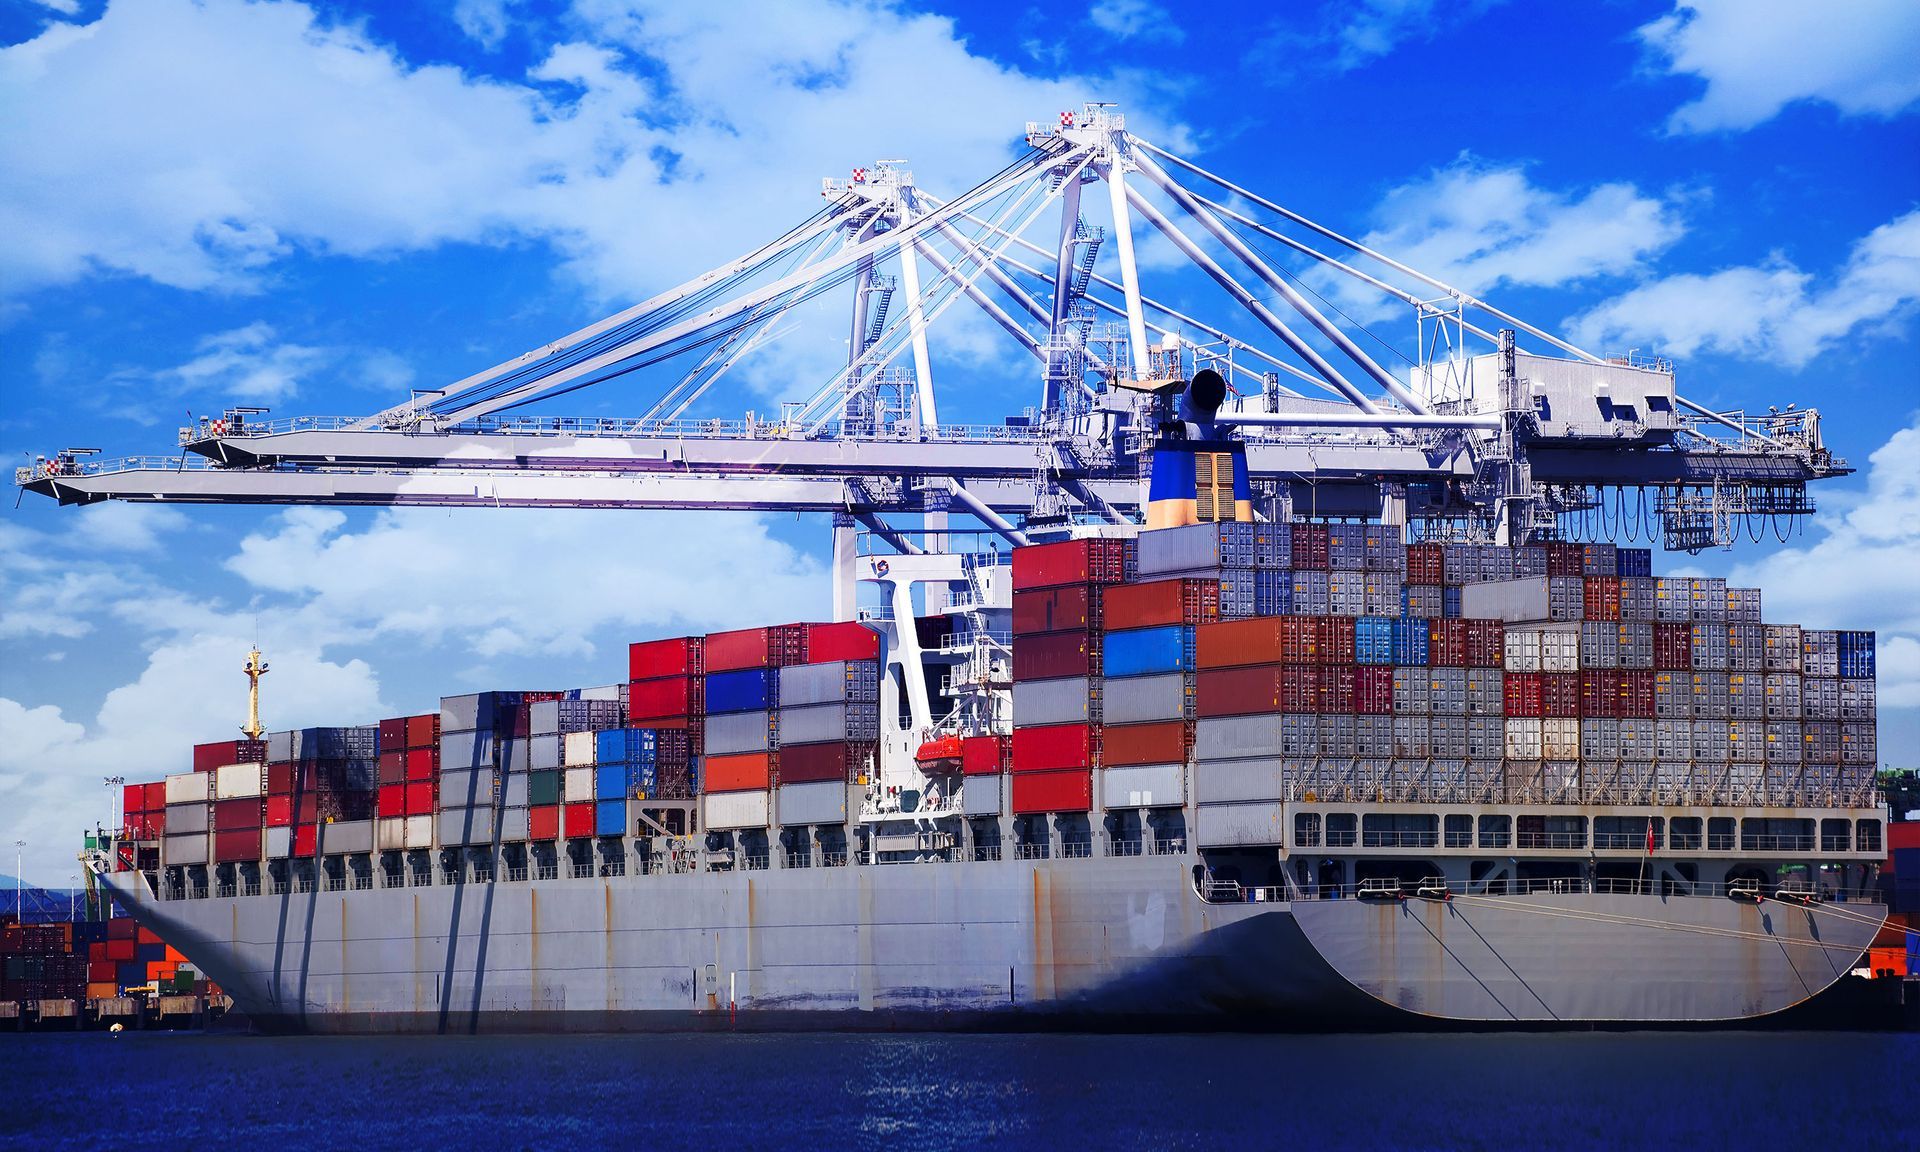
(1346, 36)
(1758, 56)
(1130, 19)
(249, 362)
(1772, 311)
(64, 7)
(117, 527)
(485, 21)
(1478, 226)
(1861, 573)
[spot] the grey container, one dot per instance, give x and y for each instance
(187, 848)
(1141, 699)
(543, 717)
(515, 825)
(279, 747)
(1858, 700)
(1819, 652)
(466, 713)
(1600, 644)
(1173, 550)
(1486, 692)
(467, 749)
(1529, 560)
(1712, 741)
(1783, 647)
(1784, 742)
(1300, 735)
(1347, 593)
(1486, 737)
(1231, 825)
(1710, 651)
(1338, 736)
(1074, 700)
(1746, 696)
(1710, 696)
(829, 683)
(1636, 599)
(1447, 691)
(1822, 741)
(1539, 599)
(1600, 740)
(467, 787)
(1638, 739)
(1384, 594)
(1820, 698)
(514, 753)
(513, 793)
(1272, 545)
(1633, 639)
(1412, 737)
(981, 795)
(1373, 735)
(1426, 601)
(1673, 740)
(1311, 592)
(1858, 742)
(1143, 786)
(821, 723)
(1460, 564)
(1746, 647)
(1347, 546)
(1709, 600)
(1673, 695)
(1784, 700)
(1447, 736)
(543, 750)
(1746, 741)
(1234, 781)
(731, 732)
(824, 802)
(1743, 606)
(456, 827)
(186, 818)
(1598, 560)
(279, 842)
(345, 837)
(1237, 737)
(1412, 695)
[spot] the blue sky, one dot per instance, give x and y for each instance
(320, 206)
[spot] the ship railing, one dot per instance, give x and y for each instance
(1399, 839)
(1342, 839)
(1126, 848)
(1552, 840)
(450, 876)
(336, 883)
(547, 872)
(986, 852)
(516, 875)
(833, 860)
(1750, 842)
(250, 887)
(198, 891)
(225, 890)
(1171, 846)
(755, 861)
(1615, 841)
(1076, 848)
(799, 860)
(361, 881)
(581, 871)
(277, 888)
(423, 877)
(302, 885)
(1720, 842)
(1031, 851)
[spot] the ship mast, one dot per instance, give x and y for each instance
(256, 668)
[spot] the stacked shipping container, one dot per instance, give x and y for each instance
(1058, 648)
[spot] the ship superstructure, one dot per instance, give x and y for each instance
(1244, 703)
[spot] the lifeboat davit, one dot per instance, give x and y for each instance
(939, 755)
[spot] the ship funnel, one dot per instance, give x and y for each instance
(1199, 469)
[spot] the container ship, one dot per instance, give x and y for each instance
(1227, 773)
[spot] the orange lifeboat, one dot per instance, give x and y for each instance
(939, 755)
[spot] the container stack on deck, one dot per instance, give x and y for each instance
(741, 740)
(828, 723)
(667, 692)
(409, 782)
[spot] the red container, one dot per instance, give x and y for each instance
(1088, 561)
(1261, 689)
(1311, 546)
(306, 808)
(543, 822)
(819, 763)
(423, 731)
(773, 647)
(849, 640)
(1074, 608)
(279, 811)
(419, 800)
(156, 796)
(1673, 647)
(1155, 603)
(305, 838)
(740, 772)
(1164, 742)
(1486, 644)
(393, 734)
(122, 950)
(1054, 655)
(1336, 688)
(1336, 634)
(576, 820)
(1566, 559)
(986, 755)
(133, 798)
(1600, 694)
(207, 757)
(1601, 598)
(652, 659)
(1426, 564)
(1373, 690)
(1239, 643)
(391, 800)
(1053, 747)
(1560, 694)
(666, 703)
(236, 845)
(423, 764)
(100, 971)
(279, 779)
(1447, 643)
(236, 815)
(1637, 693)
(1525, 695)
(121, 928)
(393, 767)
(1070, 791)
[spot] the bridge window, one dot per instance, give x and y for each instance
(1561, 832)
(1834, 835)
(1342, 830)
(1400, 830)
(1684, 834)
(1866, 836)
(1764, 834)
(1459, 830)
(1496, 831)
(1306, 829)
(1625, 833)
(1720, 834)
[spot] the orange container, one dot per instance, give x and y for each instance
(102, 990)
(1887, 961)
(174, 956)
(1165, 742)
(743, 772)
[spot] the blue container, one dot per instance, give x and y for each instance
(610, 782)
(1450, 602)
(1913, 952)
(748, 690)
(150, 953)
(1373, 640)
(624, 746)
(1856, 656)
(1633, 562)
(1410, 641)
(1238, 593)
(642, 778)
(1273, 592)
(1148, 651)
(610, 818)
(130, 972)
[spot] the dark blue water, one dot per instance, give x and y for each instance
(1694, 1092)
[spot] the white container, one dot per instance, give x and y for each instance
(390, 833)
(1235, 781)
(1226, 825)
(576, 786)
(1560, 738)
(514, 824)
(1524, 739)
(577, 749)
(188, 849)
(1144, 786)
(458, 826)
(419, 832)
(279, 842)
(1074, 700)
(822, 802)
(186, 817)
(728, 810)
(346, 837)
(981, 795)
(189, 788)
(238, 781)
(731, 732)
(1142, 699)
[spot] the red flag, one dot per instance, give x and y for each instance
(1649, 837)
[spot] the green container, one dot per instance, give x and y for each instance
(543, 788)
